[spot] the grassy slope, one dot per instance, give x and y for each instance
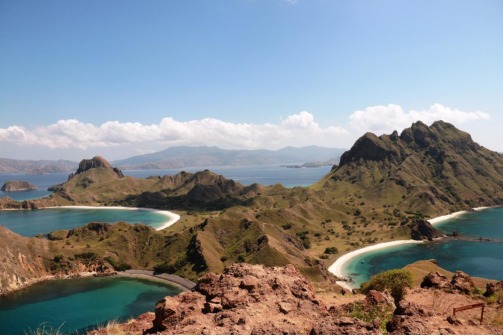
(381, 184)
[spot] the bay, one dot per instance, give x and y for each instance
(477, 258)
(77, 305)
(32, 222)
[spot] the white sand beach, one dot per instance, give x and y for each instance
(337, 268)
(173, 217)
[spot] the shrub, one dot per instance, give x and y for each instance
(395, 281)
(331, 250)
(117, 265)
(286, 226)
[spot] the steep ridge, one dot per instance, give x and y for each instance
(21, 260)
(433, 170)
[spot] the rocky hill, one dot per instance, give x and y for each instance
(36, 167)
(253, 299)
(433, 170)
(21, 260)
(18, 186)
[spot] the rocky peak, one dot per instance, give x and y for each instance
(95, 162)
(369, 147)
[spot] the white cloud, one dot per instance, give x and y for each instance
(386, 119)
(296, 130)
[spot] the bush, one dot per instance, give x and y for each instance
(395, 281)
(331, 250)
(117, 265)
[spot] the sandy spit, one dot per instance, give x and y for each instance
(337, 268)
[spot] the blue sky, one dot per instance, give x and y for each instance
(120, 78)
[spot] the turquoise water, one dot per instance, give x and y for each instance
(477, 258)
(78, 305)
(32, 222)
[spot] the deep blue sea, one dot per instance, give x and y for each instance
(77, 305)
(477, 258)
(263, 174)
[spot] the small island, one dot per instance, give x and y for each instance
(18, 186)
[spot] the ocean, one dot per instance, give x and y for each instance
(469, 254)
(261, 174)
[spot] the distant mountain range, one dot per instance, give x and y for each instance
(36, 166)
(184, 156)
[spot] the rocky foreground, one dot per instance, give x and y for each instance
(253, 299)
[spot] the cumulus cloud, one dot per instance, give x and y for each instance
(385, 119)
(296, 130)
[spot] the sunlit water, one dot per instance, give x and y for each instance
(33, 222)
(77, 305)
(477, 258)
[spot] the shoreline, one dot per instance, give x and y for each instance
(172, 279)
(337, 268)
(173, 217)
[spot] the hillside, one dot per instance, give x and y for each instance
(203, 156)
(36, 166)
(381, 190)
(430, 170)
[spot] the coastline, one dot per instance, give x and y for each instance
(337, 268)
(173, 217)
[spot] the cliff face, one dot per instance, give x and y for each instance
(434, 170)
(18, 186)
(21, 260)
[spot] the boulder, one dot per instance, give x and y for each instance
(435, 280)
(462, 282)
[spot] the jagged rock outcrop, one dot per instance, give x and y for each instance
(97, 162)
(421, 229)
(252, 299)
(460, 281)
(18, 186)
(435, 280)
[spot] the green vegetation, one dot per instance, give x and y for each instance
(395, 281)
(117, 265)
(331, 250)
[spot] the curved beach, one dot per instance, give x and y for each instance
(337, 268)
(173, 217)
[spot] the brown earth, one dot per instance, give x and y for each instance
(253, 299)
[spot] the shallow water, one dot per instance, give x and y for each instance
(32, 222)
(477, 258)
(77, 305)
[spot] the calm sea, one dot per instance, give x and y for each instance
(263, 174)
(77, 305)
(477, 258)
(30, 223)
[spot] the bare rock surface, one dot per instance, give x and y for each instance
(251, 299)
(254, 299)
